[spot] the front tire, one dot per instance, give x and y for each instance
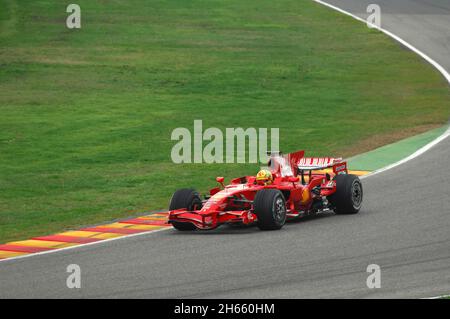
(188, 199)
(348, 196)
(270, 208)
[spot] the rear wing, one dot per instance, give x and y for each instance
(290, 164)
(319, 163)
(282, 164)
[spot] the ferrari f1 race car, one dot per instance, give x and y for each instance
(293, 186)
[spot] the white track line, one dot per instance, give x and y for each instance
(437, 297)
(439, 67)
(412, 156)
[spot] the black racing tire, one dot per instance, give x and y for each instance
(270, 208)
(348, 196)
(188, 199)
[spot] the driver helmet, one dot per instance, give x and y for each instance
(264, 177)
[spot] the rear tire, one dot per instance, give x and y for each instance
(270, 208)
(348, 196)
(188, 199)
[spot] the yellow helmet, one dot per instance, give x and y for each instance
(264, 176)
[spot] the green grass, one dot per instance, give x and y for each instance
(86, 115)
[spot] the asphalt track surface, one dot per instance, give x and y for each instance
(404, 227)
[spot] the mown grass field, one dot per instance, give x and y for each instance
(86, 115)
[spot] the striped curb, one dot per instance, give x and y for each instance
(88, 235)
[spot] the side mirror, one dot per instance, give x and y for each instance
(220, 180)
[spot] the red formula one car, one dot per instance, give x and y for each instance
(293, 186)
